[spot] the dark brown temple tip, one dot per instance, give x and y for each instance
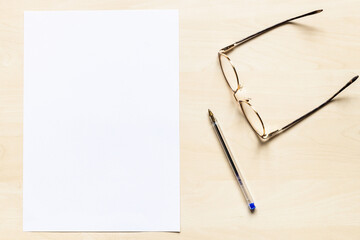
(354, 78)
(318, 11)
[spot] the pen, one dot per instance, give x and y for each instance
(233, 165)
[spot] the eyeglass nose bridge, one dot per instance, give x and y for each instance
(240, 96)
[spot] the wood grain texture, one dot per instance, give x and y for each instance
(305, 182)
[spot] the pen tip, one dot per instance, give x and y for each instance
(211, 116)
(210, 113)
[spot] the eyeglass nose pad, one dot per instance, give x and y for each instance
(241, 95)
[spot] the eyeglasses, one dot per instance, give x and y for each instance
(232, 79)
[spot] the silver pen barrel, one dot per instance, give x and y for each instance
(231, 161)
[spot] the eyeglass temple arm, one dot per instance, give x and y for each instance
(232, 46)
(276, 132)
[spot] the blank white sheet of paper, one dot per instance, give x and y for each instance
(101, 121)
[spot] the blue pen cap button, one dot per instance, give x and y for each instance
(252, 206)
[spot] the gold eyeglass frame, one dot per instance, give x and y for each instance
(242, 100)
